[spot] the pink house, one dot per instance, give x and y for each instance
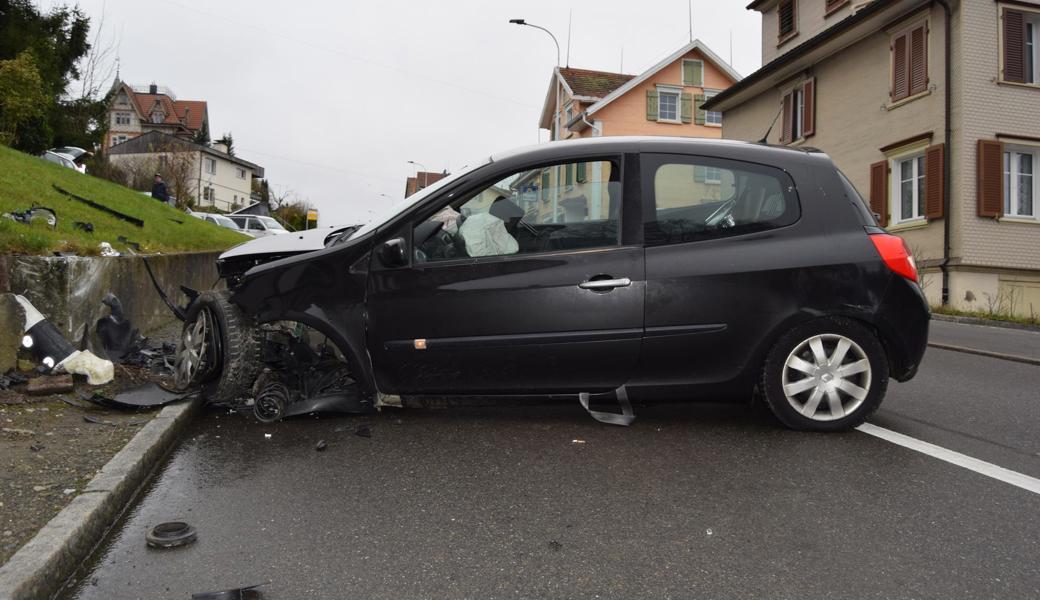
(663, 100)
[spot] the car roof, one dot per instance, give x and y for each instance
(680, 145)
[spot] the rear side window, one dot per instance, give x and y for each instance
(697, 198)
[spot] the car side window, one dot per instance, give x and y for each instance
(698, 198)
(566, 206)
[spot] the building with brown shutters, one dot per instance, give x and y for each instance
(421, 180)
(136, 110)
(951, 169)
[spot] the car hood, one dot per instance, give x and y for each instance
(293, 242)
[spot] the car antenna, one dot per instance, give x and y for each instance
(770, 130)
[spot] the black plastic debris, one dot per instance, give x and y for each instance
(101, 207)
(35, 214)
(363, 430)
(126, 242)
(321, 446)
(149, 395)
(10, 380)
(115, 333)
(171, 535)
(87, 227)
(245, 593)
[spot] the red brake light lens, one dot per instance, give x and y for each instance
(896, 254)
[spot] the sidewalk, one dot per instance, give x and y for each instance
(1015, 342)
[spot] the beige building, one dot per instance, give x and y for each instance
(950, 168)
(135, 110)
(210, 176)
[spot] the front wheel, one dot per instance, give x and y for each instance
(219, 349)
(826, 375)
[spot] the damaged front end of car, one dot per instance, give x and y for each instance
(286, 336)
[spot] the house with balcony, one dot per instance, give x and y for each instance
(135, 110)
(932, 109)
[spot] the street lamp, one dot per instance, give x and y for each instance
(555, 133)
(426, 174)
(525, 23)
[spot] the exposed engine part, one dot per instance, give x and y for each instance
(270, 397)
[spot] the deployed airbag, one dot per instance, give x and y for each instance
(486, 235)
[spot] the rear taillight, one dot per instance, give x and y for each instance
(896, 254)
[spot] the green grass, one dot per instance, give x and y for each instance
(26, 179)
(953, 312)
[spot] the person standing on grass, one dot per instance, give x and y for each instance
(159, 190)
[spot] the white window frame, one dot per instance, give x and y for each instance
(692, 84)
(210, 166)
(709, 171)
(122, 118)
(119, 139)
(896, 186)
(1032, 47)
(677, 92)
(798, 113)
(241, 173)
(712, 118)
(1011, 172)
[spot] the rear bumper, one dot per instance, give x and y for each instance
(902, 321)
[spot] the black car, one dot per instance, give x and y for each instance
(641, 267)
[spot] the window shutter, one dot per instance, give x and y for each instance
(934, 181)
(879, 191)
(809, 108)
(582, 172)
(700, 114)
(918, 75)
(545, 186)
(687, 72)
(568, 177)
(990, 194)
(787, 125)
(1014, 46)
(651, 105)
(900, 80)
(696, 73)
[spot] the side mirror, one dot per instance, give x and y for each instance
(394, 253)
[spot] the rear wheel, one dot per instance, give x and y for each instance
(826, 375)
(219, 349)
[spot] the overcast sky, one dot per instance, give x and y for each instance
(333, 98)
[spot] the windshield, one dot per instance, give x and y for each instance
(225, 222)
(271, 223)
(415, 198)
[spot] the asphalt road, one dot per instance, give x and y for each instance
(542, 502)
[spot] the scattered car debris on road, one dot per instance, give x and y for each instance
(106, 249)
(115, 333)
(148, 395)
(363, 430)
(136, 247)
(84, 226)
(171, 535)
(321, 446)
(56, 353)
(10, 380)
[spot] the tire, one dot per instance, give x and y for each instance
(231, 361)
(799, 387)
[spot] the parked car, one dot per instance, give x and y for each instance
(62, 159)
(221, 220)
(258, 225)
(641, 267)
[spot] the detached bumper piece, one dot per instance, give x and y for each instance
(57, 353)
(625, 418)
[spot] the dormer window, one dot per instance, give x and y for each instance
(787, 20)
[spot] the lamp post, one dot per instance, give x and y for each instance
(426, 175)
(556, 111)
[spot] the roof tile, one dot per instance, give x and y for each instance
(595, 84)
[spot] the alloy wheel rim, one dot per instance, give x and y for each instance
(191, 351)
(826, 377)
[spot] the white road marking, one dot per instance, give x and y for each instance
(981, 467)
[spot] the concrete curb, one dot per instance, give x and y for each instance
(984, 322)
(1000, 355)
(42, 566)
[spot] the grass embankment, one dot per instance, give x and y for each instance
(26, 179)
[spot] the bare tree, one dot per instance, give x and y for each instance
(98, 67)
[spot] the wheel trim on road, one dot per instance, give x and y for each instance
(826, 377)
(191, 352)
